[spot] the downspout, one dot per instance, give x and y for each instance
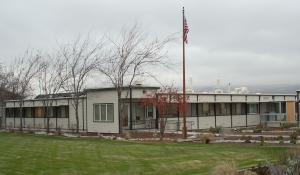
(14, 115)
(246, 110)
(4, 112)
(231, 111)
(130, 106)
(86, 121)
(69, 115)
(259, 110)
(82, 102)
(33, 114)
(178, 120)
(215, 112)
(197, 111)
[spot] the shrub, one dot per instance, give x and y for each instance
(236, 129)
(262, 140)
(293, 138)
(226, 168)
(280, 139)
(291, 161)
(247, 139)
(257, 130)
(207, 138)
(217, 129)
(288, 125)
(155, 134)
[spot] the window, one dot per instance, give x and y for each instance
(61, 111)
(39, 112)
(110, 112)
(150, 112)
(252, 108)
(194, 109)
(65, 112)
(171, 110)
(104, 112)
(27, 113)
(283, 107)
(272, 107)
(16, 112)
(50, 112)
(238, 108)
(206, 109)
(9, 112)
(191, 110)
(139, 112)
(211, 109)
(97, 114)
(222, 109)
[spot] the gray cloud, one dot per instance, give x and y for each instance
(240, 41)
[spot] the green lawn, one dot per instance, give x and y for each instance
(31, 154)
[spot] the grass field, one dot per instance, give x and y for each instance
(31, 154)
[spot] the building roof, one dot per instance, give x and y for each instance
(247, 94)
(124, 88)
(58, 95)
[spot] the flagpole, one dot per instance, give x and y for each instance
(184, 130)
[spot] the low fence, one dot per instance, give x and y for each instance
(276, 120)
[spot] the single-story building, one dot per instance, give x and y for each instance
(98, 110)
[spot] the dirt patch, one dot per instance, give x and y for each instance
(144, 135)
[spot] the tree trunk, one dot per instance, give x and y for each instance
(21, 115)
(48, 118)
(162, 128)
(76, 115)
(46, 110)
(120, 112)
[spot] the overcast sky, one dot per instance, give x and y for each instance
(245, 42)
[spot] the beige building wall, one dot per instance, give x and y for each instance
(110, 96)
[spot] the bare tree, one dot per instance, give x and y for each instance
(5, 77)
(80, 58)
(5, 87)
(128, 59)
(163, 100)
(6, 84)
(23, 72)
(51, 80)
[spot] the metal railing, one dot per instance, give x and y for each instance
(177, 125)
(144, 124)
(273, 117)
(155, 124)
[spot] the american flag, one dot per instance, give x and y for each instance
(185, 31)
